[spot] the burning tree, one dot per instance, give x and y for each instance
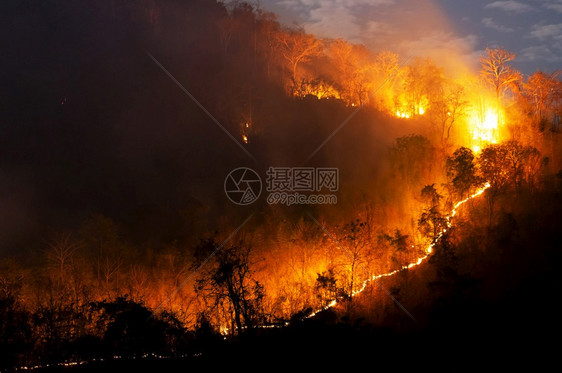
(422, 85)
(444, 111)
(497, 72)
(297, 47)
(507, 164)
(522, 163)
(356, 244)
(352, 71)
(387, 71)
(542, 91)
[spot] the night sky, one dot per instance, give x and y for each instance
(530, 28)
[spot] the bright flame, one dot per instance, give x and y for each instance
(484, 128)
(245, 139)
(418, 261)
(320, 90)
(402, 114)
(428, 251)
(407, 109)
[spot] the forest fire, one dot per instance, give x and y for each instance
(407, 109)
(408, 114)
(428, 251)
(122, 237)
(484, 128)
(401, 114)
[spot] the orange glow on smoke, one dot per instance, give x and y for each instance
(484, 127)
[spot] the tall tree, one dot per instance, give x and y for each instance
(461, 171)
(356, 244)
(431, 221)
(297, 47)
(386, 70)
(493, 167)
(61, 254)
(522, 162)
(352, 71)
(541, 91)
(497, 71)
(227, 283)
(423, 85)
(444, 111)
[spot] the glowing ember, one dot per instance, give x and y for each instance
(245, 139)
(406, 114)
(402, 114)
(418, 261)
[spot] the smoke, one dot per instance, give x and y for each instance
(19, 202)
(112, 134)
(409, 28)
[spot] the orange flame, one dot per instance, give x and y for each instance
(484, 127)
